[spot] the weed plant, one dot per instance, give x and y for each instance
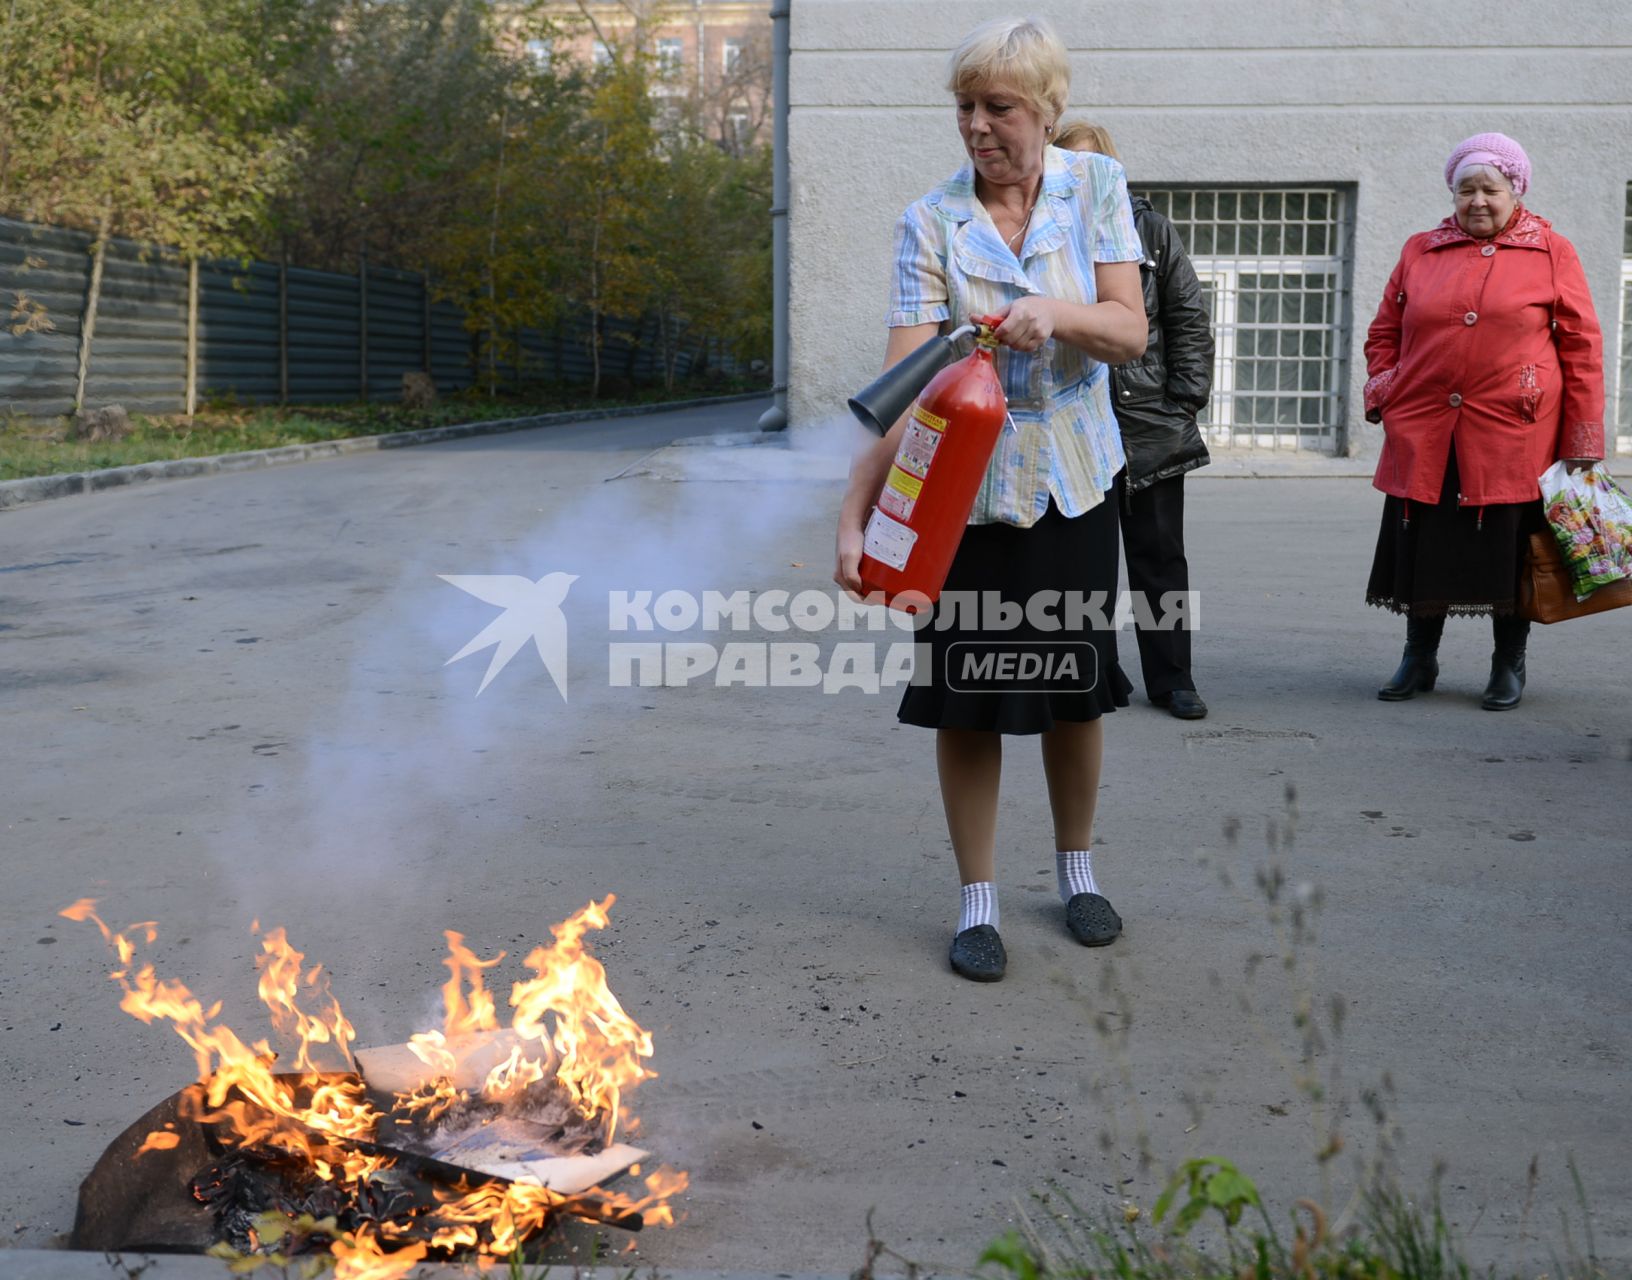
(1209, 1221)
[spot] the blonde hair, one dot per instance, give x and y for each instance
(1022, 54)
(1079, 135)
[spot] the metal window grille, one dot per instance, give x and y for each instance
(1274, 269)
(1623, 398)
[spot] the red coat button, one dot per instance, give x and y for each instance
(1488, 250)
(1456, 400)
(1470, 317)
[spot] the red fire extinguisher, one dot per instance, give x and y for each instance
(951, 430)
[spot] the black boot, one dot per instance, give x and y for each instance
(1506, 685)
(1419, 667)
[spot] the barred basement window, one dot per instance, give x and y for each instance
(1274, 268)
(1623, 416)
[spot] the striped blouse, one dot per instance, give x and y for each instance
(951, 263)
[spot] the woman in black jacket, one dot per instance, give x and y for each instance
(1157, 398)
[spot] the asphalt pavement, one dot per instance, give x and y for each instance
(229, 699)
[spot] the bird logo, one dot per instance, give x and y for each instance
(532, 611)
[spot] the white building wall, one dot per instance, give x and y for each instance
(1195, 92)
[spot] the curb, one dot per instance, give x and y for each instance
(16, 493)
(65, 1264)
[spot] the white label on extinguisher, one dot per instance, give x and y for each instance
(888, 541)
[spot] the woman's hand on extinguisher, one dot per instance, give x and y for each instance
(847, 572)
(1028, 323)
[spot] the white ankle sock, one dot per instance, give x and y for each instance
(1075, 871)
(979, 905)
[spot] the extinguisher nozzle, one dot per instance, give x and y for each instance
(881, 402)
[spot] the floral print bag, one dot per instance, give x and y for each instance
(1591, 517)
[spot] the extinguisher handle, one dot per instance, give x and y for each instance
(986, 330)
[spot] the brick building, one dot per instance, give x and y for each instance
(711, 55)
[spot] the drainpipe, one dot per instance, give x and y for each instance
(776, 417)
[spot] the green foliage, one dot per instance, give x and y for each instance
(400, 104)
(1011, 1253)
(1394, 1238)
(422, 133)
(156, 121)
(1209, 1182)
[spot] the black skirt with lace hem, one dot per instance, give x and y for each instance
(1446, 559)
(1057, 554)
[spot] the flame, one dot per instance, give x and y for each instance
(566, 1024)
(159, 1140)
(361, 1258)
(281, 981)
(599, 1046)
(463, 1014)
(266, 1109)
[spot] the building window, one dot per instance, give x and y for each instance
(539, 51)
(1623, 416)
(670, 55)
(731, 55)
(1274, 268)
(602, 54)
(736, 129)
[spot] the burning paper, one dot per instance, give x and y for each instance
(470, 1137)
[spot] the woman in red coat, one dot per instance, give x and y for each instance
(1485, 366)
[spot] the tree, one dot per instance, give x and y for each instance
(710, 264)
(400, 101)
(154, 121)
(502, 253)
(606, 233)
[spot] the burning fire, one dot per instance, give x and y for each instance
(568, 1037)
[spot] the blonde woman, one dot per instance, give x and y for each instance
(1044, 238)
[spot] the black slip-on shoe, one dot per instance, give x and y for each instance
(977, 954)
(1181, 704)
(1092, 919)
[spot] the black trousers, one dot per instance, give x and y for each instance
(1153, 541)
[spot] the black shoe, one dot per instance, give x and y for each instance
(1181, 704)
(977, 954)
(1415, 674)
(1506, 685)
(1419, 667)
(1092, 919)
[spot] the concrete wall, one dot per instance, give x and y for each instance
(1369, 92)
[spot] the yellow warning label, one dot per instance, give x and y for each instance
(907, 485)
(927, 418)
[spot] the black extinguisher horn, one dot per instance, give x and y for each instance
(888, 396)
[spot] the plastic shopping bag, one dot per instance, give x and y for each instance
(1591, 517)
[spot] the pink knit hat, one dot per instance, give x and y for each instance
(1497, 150)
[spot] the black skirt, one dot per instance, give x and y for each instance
(1023, 679)
(1450, 559)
